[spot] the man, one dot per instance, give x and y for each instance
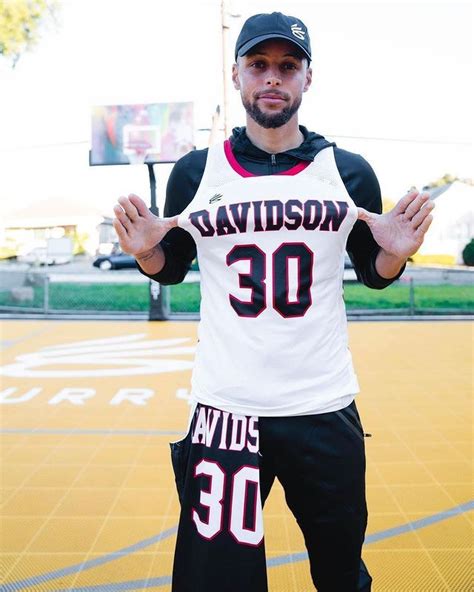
(270, 213)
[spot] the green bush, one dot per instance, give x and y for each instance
(468, 253)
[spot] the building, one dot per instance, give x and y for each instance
(31, 227)
(452, 227)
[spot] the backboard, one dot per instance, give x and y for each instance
(136, 134)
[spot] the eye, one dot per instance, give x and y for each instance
(290, 66)
(258, 65)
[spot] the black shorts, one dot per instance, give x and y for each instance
(225, 467)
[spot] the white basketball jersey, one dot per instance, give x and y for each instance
(273, 329)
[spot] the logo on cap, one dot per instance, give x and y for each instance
(298, 31)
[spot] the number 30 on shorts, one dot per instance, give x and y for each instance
(212, 499)
(255, 279)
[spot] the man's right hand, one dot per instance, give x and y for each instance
(138, 230)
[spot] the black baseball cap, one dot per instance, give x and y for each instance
(276, 25)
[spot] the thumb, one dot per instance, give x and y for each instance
(171, 222)
(366, 216)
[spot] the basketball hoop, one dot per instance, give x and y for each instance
(136, 152)
(140, 141)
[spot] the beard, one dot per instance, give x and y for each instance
(271, 120)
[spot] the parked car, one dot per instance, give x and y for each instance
(347, 262)
(115, 261)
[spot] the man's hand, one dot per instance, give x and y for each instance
(401, 231)
(138, 230)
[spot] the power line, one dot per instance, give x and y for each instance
(345, 137)
(407, 140)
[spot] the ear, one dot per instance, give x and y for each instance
(235, 76)
(309, 79)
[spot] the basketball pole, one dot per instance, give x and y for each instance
(151, 176)
(158, 310)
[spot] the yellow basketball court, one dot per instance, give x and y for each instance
(88, 495)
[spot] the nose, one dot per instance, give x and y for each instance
(273, 78)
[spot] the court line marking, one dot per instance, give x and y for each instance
(78, 567)
(164, 580)
(131, 585)
(7, 343)
(388, 533)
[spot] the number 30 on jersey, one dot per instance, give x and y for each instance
(245, 520)
(281, 300)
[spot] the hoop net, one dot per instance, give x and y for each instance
(140, 141)
(136, 153)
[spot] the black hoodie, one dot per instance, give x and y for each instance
(356, 173)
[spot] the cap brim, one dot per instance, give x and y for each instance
(253, 42)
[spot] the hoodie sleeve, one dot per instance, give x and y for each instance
(363, 187)
(178, 245)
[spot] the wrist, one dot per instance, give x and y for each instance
(388, 265)
(392, 257)
(145, 255)
(152, 261)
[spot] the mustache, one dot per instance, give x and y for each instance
(278, 93)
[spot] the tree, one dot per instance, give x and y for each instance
(20, 25)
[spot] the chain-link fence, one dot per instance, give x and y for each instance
(407, 296)
(39, 292)
(132, 295)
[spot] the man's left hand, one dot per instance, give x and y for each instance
(401, 231)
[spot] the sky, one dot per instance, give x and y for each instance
(391, 81)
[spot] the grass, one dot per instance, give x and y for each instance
(398, 296)
(186, 297)
(445, 297)
(84, 297)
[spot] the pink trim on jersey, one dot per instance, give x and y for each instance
(245, 173)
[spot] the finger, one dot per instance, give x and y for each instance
(140, 205)
(128, 207)
(365, 215)
(421, 215)
(406, 200)
(416, 205)
(120, 229)
(423, 227)
(122, 217)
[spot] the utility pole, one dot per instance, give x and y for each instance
(225, 70)
(224, 29)
(215, 126)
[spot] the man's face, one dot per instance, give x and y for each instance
(271, 80)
